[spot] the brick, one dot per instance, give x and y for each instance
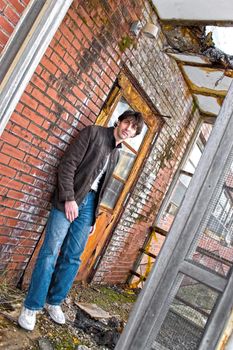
(24, 250)
(24, 234)
(32, 190)
(21, 166)
(32, 115)
(67, 33)
(45, 146)
(10, 183)
(25, 178)
(48, 65)
(2, 5)
(5, 159)
(52, 93)
(2, 221)
(37, 131)
(60, 50)
(12, 151)
(71, 98)
(57, 142)
(6, 170)
(10, 212)
(39, 173)
(17, 195)
(17, 5)
(6, 26)
(7, 202)
(70, 61)
(9, 138)
(23, 133)
(3, 38)
(19, 258)
(18, 119)
(40, 83)
(38, 163)
(27, 147)
(69, 107)
(46, 125)
(3, 190)
(29, 101)
(12, 16)
(42, 98)
(44, 111)
(8, 240)
(64, 68)
(28, 89)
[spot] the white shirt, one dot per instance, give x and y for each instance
(95, 184)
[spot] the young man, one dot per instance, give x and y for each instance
(83, 175)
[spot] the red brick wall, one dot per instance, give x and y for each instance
(10, 13)
(65, 94)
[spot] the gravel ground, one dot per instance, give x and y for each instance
(117, 301)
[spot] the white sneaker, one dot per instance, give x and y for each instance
(27, 318)
(56, 313)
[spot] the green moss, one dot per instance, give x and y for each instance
(125, 43)
(194, 107)
(61, 339)
(113, 296)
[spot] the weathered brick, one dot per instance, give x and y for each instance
(3, 38)
(6, 25)
(6, 170)
(11, 15)
(17, 5)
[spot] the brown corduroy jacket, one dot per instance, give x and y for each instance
(82, 162)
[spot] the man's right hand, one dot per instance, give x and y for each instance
(71, 210)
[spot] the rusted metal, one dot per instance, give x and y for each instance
(226, 340)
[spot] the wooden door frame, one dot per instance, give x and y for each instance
(93, 253)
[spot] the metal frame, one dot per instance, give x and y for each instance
(150, 309)
(34, 34)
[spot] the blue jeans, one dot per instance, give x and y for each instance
(59, 257)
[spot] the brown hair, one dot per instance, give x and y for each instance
(135, 116)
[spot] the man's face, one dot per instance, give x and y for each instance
(125, 129)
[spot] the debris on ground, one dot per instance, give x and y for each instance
(96, 316)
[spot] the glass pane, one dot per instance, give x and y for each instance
(121, 107)
(185, 179)
(178, 193)
(214, 246)
(195, 155)
(187, 316)
(112, 193)
(125, 163)
(189, 167)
